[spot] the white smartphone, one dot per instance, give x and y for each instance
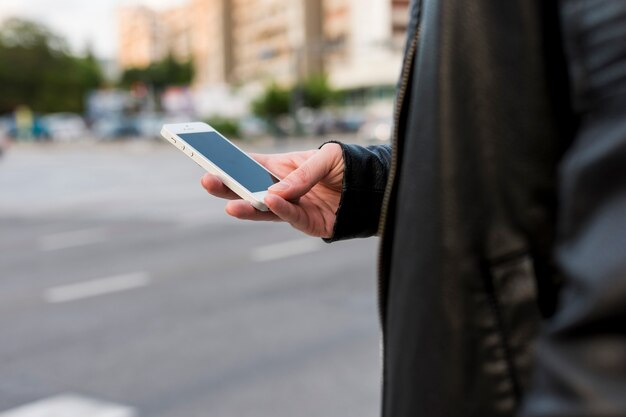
(219, 156)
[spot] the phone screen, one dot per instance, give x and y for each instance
(230, 160)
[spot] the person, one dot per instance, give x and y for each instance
(24, 123)
(501, 208)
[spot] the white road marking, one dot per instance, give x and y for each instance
(72, 239)
(286, 249)
(96, 287)
(70, 405)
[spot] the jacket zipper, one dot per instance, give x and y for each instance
(404, 79)
(408, 64)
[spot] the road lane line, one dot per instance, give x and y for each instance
(96, 287)
(286, 249)
(70, 405)
(72, 239)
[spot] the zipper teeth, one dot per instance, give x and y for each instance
(408, 63)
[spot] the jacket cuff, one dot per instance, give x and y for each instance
(363, 189)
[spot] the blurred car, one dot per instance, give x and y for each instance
(325, 122)
(5, 123)
(65, 126)
(38, 131)
(251, 127)
(118, 127)
(149, 125)
(4, 144)
(350, 122)
(317, 123)
(376, 130)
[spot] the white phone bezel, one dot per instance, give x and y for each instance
(171, 133)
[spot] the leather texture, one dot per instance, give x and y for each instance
(368, 166)
(507, 214)
(581, 360)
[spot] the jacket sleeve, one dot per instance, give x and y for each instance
(581, 355)
(365, 178)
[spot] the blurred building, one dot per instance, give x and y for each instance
(357, 43)
(141, 36)
(364, 41)
(276, 39)
(177, 32)
(147, 36)
(212, 46)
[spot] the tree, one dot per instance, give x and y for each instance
(30, 35)
(91, 71)
(37, 70)
(316, 91)
(168, 72)
(273, 103)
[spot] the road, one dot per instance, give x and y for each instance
(123, 284)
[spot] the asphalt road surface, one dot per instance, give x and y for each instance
(125, 291)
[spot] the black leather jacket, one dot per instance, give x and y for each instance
(502, 210)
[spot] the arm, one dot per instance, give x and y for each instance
(334, 192)
(366, 171)
(581, 356)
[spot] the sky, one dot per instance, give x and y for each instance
(81, 22)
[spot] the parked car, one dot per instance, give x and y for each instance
(6, 122)
(149, 125)
(4, 134)
(112, 128)
(377, 130)
(65, 126)
(350, 122)
(38, 131)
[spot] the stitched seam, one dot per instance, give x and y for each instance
(504, 336)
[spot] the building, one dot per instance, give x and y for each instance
(399, 20)
(199, 30)
(178, 34)
(357, 43)
(147, 36)
(364, 41)
(212, 45)
(276, 39)
(141, 37)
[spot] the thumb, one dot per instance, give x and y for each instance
(303, 178)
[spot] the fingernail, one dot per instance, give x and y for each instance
(279, 186)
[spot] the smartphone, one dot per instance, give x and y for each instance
(219, 156)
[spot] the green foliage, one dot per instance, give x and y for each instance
(274, 102)
(168, 72)
(37, 70)
(316, 91)
(227, 127)
(19, 33)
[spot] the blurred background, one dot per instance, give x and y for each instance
(125, 291)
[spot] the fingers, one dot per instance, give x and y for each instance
(237, 208)
(285, 210)
(215, 187)
(303, 178)
(243, 210)
(260, 158)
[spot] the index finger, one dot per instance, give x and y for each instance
(216, 187)
(261, 158)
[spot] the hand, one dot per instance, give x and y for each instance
(308, 196)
